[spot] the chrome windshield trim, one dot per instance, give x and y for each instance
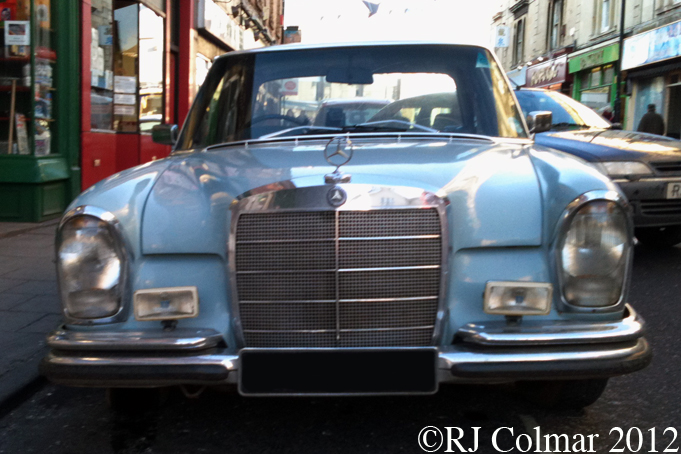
(182, 339)
(560, 231)
(553, 332)
(361, 197)
(126, 256)
(363, 135)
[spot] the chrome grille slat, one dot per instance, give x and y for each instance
(338, 278)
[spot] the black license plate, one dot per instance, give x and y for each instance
(328, 372)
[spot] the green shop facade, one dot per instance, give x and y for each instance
(39, 108)
(593, 71)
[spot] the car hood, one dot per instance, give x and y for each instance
(611, 144)
(494, 189)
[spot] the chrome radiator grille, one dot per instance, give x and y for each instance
(338, 278)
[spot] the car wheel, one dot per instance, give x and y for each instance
(134, 399)
(564, 394)
(659, 237)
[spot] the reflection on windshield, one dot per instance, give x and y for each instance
(566, 111)
(357, 89)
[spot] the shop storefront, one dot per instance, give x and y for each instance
(593, 71)
(83, 82)
(39, 171)
(124, 64)
(550, 75)
(652, 61)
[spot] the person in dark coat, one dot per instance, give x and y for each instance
(652, 122)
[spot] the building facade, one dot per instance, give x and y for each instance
(542, 33)
(91, 79)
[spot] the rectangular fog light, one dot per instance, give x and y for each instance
(166, 303)
(518, 298)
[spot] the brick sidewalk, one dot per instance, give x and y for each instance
(29, 304)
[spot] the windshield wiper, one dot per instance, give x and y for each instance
(301, 130)
(571, 125)
(387, 125)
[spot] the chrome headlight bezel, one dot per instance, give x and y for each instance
(562, 228)
(124, 254)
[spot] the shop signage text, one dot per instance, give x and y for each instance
(598, 57)
(549, 73)
(655, 45)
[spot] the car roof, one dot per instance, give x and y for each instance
(300, 46)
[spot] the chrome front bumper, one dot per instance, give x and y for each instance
(481, 353)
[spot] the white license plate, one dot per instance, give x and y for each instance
(674, 190)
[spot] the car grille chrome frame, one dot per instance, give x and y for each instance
(370, 273)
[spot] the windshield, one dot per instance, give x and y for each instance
(388, 88)
(566, 111)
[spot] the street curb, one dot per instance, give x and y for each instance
(29, 229)
(17, 384)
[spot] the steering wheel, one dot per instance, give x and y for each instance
(294, 120)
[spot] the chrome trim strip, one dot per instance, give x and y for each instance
(340, 330)
(532, 333)
(354, 300)
(354, 238)
(126, 255)
(369, 136)
(605, 352)
(670, 179)
(336, 274)
(361, 197)
(343, 270)
(182, 339)
(229, 362)
(560, 231)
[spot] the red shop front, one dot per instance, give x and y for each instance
(128, 69)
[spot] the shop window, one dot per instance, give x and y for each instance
(608, 75)
(586, 80)
(555, 23)
(595, 77)
(127, 65)
(518, 41)
(27, 64)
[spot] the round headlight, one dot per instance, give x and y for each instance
(594, 253)
(89, 264)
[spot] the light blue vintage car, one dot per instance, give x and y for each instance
(434, 245)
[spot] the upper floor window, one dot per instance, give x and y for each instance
(604, 15)
(555, 23)
(518, 41)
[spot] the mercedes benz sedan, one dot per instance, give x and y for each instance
(388, 256)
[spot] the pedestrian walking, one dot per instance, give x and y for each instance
(651, 122)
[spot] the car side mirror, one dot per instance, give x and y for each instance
(164, 134)
(539, 121)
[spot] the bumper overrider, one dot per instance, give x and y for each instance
(489, 352)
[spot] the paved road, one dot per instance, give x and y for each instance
(63, 420)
